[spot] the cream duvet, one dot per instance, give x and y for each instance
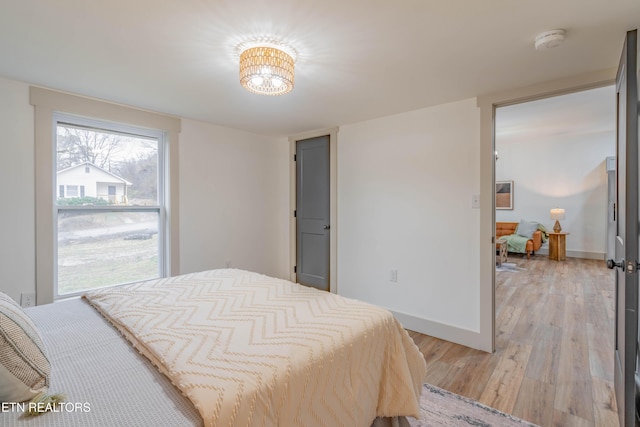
(251, 350)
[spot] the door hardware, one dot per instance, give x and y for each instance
(611, 264)
(632, 267)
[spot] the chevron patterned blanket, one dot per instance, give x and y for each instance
(251, 350)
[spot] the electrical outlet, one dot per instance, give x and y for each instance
(27, 300)
(393, 275)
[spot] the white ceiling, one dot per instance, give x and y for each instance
(358, 59)
(560, 117)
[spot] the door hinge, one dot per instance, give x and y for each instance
(295, 158)
(295, 268)
(295, 213)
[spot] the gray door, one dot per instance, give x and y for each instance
(626, 250)
(312, 212)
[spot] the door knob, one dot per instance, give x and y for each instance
(326, 227)
(611, 264)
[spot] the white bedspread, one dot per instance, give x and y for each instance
(250, 350)
(93, 365)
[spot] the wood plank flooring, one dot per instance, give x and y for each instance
(553, 364)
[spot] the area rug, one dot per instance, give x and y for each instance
(510, 267)
(442, 408)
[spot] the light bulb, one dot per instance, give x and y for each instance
(256, 80)
(265, 71)
(276, 82)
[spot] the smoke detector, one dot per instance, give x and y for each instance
(549, 39)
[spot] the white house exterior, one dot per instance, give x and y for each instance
(89, 180)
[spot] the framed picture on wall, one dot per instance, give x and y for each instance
(504, 194)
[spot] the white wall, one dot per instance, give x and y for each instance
(233, 196)
(562, 171)
(17, 218)
(405, 184)
(234, 199)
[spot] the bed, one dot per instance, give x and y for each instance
(225, 348)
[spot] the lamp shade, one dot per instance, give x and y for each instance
(557, 214)
(266, 71)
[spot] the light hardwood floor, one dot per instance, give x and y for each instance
(553, 364)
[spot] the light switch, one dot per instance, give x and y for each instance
(475, 201)
(393, 275)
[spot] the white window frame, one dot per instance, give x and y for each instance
(159, 208)
(68, 191)
(46, 103)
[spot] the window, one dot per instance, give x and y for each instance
(72, 191)
(47, 104)
(109, 225)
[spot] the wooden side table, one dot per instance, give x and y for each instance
(558, 246)
(501, 247)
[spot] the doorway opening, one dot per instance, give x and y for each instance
(551, 164)
(553, 303)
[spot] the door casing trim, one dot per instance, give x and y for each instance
(333, 201)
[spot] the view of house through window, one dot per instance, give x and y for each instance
(108, 203)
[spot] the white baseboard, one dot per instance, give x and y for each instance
(586, 255)
(440, 330)
(576, 254)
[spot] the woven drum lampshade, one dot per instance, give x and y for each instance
(266, 71)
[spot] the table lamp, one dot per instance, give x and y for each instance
(557, 214)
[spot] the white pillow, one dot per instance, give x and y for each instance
(526, 229)
(24, 367)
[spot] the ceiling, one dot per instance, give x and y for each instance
(561, 117)
(358, 59)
